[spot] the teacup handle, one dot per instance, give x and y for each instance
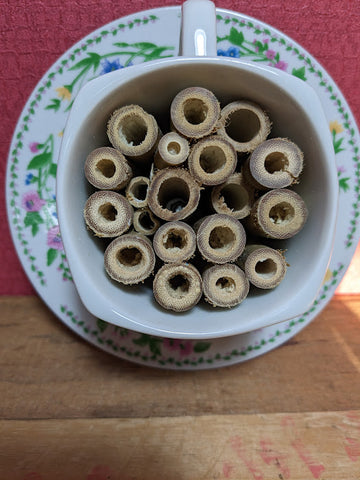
(198, 29)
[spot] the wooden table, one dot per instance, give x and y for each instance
(70, 411)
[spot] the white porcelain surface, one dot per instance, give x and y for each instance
(41, 124)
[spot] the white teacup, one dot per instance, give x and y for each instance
(296, 113)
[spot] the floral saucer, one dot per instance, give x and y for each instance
(32, 164)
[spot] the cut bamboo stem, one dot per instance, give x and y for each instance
(195, 112)
(177, 287)
(212, 160)
(264, 266)
(137, 191)
(108, 214)
(107, 169)
(129, 259)
(244, 124)
(173, 194)
(225, 285)
(172, 151)
(233, 197)
(134, 132)
(220, 238)
(275, 163)
(174, 242)
(145, 222)
(279, 214)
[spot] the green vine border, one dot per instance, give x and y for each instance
(137, 354)
(331, 90)
(24, 127)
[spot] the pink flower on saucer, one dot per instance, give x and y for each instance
(32, 202)
(54, 238)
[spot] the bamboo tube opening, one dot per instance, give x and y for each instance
(108, 212)
(177, 287)
(212, 159)
(279, 213)
(137, 191)
(282, 213)
(106, 167)
(146, 221)
(174, 242)
(195, 110)
(235, 196)
(129, 256)
(266, 268)
(221, 238)
(173, 148)
(132, 129)
(242, 125)
(224, 285)
(129, 259)
(173, 194)
(276, 162)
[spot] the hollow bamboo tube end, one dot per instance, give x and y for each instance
(195, 112)
(108, 214)
(173, 194)
(244, 124)
(233, 197)
(264, 267)
(107, 169)
(220, 238)
(174, 242)
(145, 222)
(177, 287)
(225, 285)
(134, 132)
(275, 163)
(129, 259)
(279, 214)
(212, 160)
(137, 191)
(172, 150)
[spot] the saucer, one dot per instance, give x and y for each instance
(32, 162)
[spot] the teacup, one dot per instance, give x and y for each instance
(296, 113)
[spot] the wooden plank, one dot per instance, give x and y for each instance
(308, 446)
(46, 371)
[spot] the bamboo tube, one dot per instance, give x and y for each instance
(173, 194)
(225, 285)
(129, 259)
(279, 214)
(108, 214)
(212, 160)
(220, 238)
(137, 192)
(172, 150)
(177, 287)
(145, 222)
(244, 124)
(134, 132)
(195, 112)
(264, 266)
(107, 169)
(233, 197)
(275, 163)
(174, 242)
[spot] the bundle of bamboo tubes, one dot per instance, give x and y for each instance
(195, 206)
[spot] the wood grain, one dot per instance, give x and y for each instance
(46, 371)
(255, 447)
